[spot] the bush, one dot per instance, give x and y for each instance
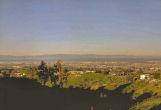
(49, 83)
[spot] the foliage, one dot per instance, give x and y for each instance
(89, 80)
(55, 74)
(30, 72)
(49, 83)
(147, 104)
(142, 86)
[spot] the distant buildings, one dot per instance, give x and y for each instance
(145, 76)
(88, 71)
(75, 72)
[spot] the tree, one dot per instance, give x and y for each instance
(43, 72)
(53, 75)
(60, 72)
(58, 67)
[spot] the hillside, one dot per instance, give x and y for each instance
(24, 94)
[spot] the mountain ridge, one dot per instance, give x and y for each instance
(80, 57)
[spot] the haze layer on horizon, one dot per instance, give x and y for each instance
(112, 27)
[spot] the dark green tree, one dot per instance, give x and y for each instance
(43, 72)
(53, 75)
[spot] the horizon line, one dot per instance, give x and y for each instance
(80, 54)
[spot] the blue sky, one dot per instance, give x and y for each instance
(36, 27)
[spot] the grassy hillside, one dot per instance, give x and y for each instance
(147, 94)
(141, 87)
(95, 80)
(110, 90)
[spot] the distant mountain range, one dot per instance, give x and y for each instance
(77, 58)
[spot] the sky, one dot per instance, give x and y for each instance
(109, 27)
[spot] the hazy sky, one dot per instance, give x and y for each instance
(34, 27)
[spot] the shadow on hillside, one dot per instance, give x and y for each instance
(24, 94)
(157, 107)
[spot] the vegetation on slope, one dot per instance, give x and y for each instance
(94, 81)
(141, 87)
